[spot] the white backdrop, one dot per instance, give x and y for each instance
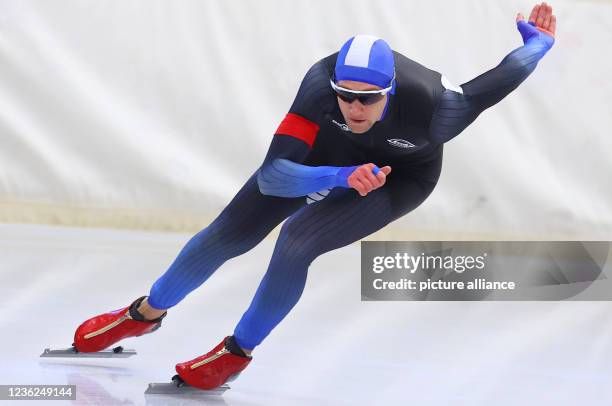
(151, 114)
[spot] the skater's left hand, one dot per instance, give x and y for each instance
(542, 22)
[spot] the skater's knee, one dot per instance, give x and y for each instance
(295, 244)
(232, 240)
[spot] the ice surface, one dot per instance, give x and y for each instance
(332, 349)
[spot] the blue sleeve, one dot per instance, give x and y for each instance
(458, 109)
(284, 178)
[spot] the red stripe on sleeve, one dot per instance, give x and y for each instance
(299, 127)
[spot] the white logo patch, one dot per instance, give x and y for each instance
(448, 85)
(317, 196)
(400, 143)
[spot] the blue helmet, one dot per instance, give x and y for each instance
(365, 58)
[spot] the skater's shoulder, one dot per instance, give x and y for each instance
(315, 97)
(418, 87)
(317, 78)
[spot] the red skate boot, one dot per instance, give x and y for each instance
(104, 330)
(213, 369)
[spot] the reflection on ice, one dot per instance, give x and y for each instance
(176, 400)
(89, 391)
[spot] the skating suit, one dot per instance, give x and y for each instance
(300, 180)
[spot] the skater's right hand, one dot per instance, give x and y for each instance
(364, 179)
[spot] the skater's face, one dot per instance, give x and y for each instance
(360, 117)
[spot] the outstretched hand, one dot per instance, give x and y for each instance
(541, 18)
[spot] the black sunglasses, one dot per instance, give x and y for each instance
(366, 100)
(365, 97)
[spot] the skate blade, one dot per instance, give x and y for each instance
(185, 390)
(117, 352)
